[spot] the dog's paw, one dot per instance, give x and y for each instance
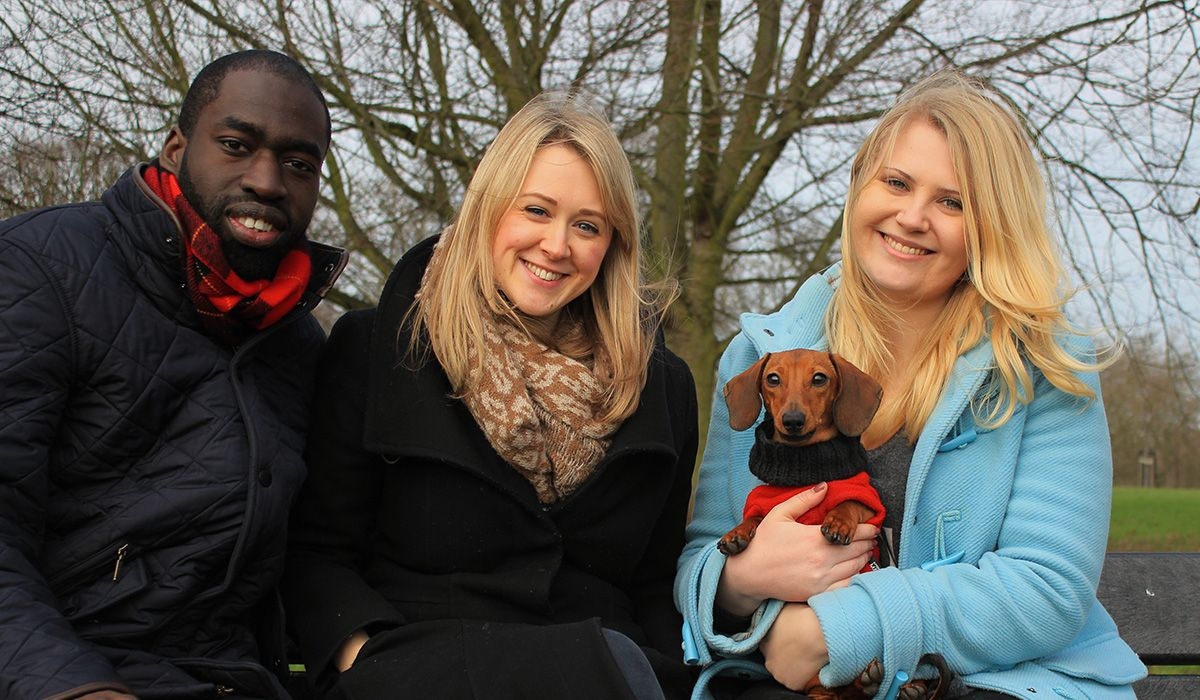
(870, 679)
(732, 544)
(837, 533)
(914, 690)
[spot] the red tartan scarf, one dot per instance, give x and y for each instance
(230, 308)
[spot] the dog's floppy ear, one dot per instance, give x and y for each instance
(857, 400)
(742, 395)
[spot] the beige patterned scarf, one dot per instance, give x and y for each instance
(539, 410)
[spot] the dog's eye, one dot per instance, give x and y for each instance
(819, 379)
(773, 379)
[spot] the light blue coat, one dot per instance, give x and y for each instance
(1003, 539)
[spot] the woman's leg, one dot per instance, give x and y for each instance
(634, 666)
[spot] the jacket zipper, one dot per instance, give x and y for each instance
(120, 557)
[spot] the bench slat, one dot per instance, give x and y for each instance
(1153, 597)
(1186, 687)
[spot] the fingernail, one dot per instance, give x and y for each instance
(819, 487)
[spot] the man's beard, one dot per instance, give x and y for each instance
(248, 262)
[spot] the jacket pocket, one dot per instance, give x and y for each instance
(112, 586)
(243, 678)
(87, 570)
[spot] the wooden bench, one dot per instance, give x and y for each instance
(1155, 599)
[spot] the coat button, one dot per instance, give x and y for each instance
(264, 477)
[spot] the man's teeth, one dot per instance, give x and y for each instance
(903, 248)
(543, 273)
(257, 224)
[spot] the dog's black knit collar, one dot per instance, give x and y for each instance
(788, 465)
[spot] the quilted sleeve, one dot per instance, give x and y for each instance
(40, 654)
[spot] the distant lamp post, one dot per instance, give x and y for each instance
(1146, 460)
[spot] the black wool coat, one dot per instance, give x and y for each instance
(146, 470)
(410, 525)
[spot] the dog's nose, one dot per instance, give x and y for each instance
(793, 422)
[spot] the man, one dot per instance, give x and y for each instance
(156, 352)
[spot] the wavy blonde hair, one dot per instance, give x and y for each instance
(620, 312)
(1015, 287)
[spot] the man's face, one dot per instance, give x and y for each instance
(251, 167)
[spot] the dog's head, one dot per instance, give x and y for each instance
(809, 396)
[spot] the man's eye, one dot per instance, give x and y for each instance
(233, 145)
(301, 165)
(773, 379)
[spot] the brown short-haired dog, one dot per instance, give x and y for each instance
(820, 402)
(817, 405)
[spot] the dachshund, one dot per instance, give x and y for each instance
(817, 405)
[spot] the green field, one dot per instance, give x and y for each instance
(1154, 520)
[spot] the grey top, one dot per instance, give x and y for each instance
(888, 465)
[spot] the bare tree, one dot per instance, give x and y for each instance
(740, 117)
(43, 172)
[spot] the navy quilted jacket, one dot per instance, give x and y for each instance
(145, 470)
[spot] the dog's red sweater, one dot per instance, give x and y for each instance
(856, 488)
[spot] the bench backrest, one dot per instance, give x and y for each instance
(1154, 597)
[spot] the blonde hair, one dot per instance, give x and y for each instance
(620, 312)
(1015, 286)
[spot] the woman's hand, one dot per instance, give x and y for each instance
(348, 652)
(789, 561)
(794, 648)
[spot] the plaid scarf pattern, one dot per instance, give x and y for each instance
(230, 308)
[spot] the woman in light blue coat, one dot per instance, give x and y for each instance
(990, 448)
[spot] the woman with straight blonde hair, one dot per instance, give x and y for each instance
(619, 312)
(989, 449)
(501, 459)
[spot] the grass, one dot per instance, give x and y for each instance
(1173, 670)
(1154, 520)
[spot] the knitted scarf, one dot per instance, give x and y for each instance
(788, 465)
(538, 409)
(230, 308)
